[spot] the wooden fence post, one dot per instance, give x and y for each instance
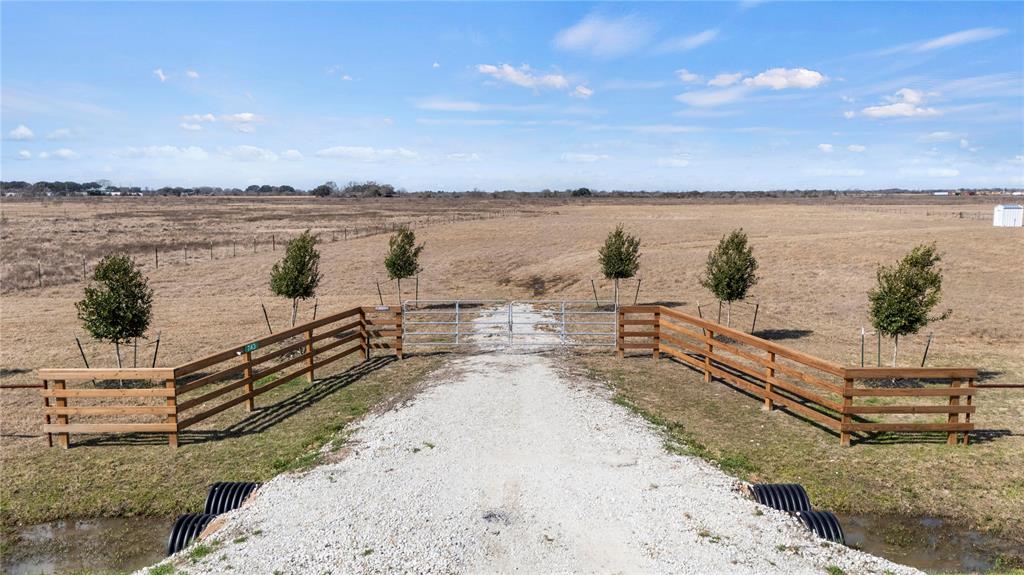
(365, 343)
(250, 404)
(845, 420)
(172, 403)
(657, 333)
(46, 416)
(769, 374)
(619, 340)
(707, 356)
(63, 439)
(954, 400)
(967, 416)
(309, 355)
(398, 333)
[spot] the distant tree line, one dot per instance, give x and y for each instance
(373, 189)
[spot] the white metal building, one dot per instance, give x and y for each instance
(1008, 216)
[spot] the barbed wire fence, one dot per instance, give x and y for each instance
(66, 268)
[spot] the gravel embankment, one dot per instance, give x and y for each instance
(507, 465)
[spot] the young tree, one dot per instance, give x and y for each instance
(619, 257)
(403, 259)
(906, 294)
(731, 270)
(118, 303)
(297, 275)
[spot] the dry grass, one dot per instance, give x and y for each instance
(817, 263)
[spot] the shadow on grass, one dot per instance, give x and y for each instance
(782, 334)
(262, 418)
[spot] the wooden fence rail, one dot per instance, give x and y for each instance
(190, 393)
(815, 389)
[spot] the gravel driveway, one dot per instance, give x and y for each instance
(507, 464)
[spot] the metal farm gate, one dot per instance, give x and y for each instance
(504, 324)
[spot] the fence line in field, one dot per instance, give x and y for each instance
(63, 270)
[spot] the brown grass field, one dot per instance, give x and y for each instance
(817, 261)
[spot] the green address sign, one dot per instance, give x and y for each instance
(251, 347)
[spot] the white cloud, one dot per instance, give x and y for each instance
(676, 161)
(59, 154)
(723, 80)
(246, 153)
(938, 137)
(904, 104)
(60, 134)
(444, 105)
(582, 91)
(584, 158)
(959, 38)
(163, 152)
(346, 78)
(782, 78)
(435, 65)
(243, 121)
(848, 114)
(966, 145)
(22, 132)
(193, 118)
(523, 76)
(24, 155)
(291, 155)
(463, 157)
(192, 74)
(709, 98)
(827, 148)
(605, 37)
(366, 153)
(190, 127)
(242, 117)
(1018, 159)
(685, 43)
(931, 172)
(856, 148)
(159, 73)
(686, 76)
(840, 172)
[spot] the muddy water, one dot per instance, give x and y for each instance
(930, 544)
(123, 545)
(92, 545)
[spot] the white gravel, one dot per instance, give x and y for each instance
(506, 464)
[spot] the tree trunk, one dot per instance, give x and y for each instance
(616, 294)
(399, 291)
(895, 348)
(117, 350)
(728, 316)
(295, 310)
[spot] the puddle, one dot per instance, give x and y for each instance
(124, 545)
(89, 545)
(930, 544)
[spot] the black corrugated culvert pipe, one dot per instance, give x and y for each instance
(186, 528)
(824, 524)
(227, 496)
(789, 497)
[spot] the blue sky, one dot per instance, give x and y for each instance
(672, 96)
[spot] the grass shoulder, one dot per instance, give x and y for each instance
(293, 427)
(978, 487)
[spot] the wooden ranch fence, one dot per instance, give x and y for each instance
(185, 395)
(818, 390)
